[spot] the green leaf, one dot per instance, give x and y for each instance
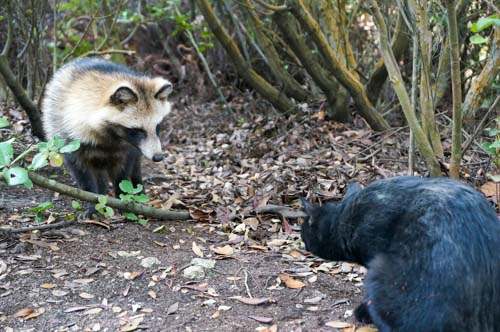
(6, 153)
(495, 144)
(28, 184)
(484, 23)
(141, 198)
(143, 222)
(478, 39)
(71, 147)
(109, 212)
(126, 197)
(55, 159)
(43, 146)
(43, 206)
(102, 199)
(55, 143)
(130, 216)
(75, 205)
(39, 161)
(15, 176)
(4, 122)
(126, 186)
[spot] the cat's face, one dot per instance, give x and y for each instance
(316, 229)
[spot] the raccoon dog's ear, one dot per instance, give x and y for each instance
(123, 96)
(352, 189)
(164, 91)
(308, 206)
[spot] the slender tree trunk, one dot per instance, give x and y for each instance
(391, 64)
(456, 89)
(269, 92)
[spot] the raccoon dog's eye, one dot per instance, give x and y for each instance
(158, 130)
(135, 134)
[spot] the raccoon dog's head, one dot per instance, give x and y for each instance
(139, 108)
(321, 221)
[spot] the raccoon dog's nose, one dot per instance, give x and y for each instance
(158, 157)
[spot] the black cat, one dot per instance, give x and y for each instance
(431, 246)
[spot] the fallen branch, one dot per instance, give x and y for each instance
(17, 230)
(145, 210)
(283, 211)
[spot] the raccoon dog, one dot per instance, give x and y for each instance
(431, 247)
(114, 112)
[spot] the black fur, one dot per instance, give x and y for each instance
(103, 66)
(431, 246)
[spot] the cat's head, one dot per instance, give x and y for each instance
(320, 221)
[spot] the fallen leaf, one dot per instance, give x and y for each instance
(93, 311)
(24, 312)
(261, 319)
(76, 309)
(87, 296)
(152, 294)
(251, 301)
(338, 324)
(290, 282)
(173, 308)
(227, 250)
(197, 250)
(489, 189)
(35, 314)
(132, 324)
(366, 329)
(48, 286)
(59, 293)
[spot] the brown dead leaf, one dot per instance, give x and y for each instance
(489, 189)
(273, 328)
(227, 250)
(366, 329)
(338, 324)
(48, 286)
(290, 282)
(197, 250)
(35, 314)
(24, 312)
(132, 324)
(152, 294)
(199, 215)
(251, 301)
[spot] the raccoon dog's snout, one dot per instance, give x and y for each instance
(158, 157)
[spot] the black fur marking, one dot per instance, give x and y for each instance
(431, 247)
(164, 91)
(158, 128)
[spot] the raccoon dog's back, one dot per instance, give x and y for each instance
(431, 246)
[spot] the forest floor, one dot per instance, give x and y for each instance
(227, 169)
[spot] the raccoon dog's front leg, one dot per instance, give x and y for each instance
(86, 179)
(131, 171)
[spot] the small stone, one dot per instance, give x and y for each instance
(148, 262)
(194, 272)
(204, 263)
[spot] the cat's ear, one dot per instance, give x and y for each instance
(308, 206)
(352, 189)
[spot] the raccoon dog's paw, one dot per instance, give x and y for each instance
(362, 315)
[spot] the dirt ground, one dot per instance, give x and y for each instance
(222, 168)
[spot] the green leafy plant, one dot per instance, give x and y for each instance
(133, 195)
(102, 208)
(40, 209)
(482, 24)
(13, 174)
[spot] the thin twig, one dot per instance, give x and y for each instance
(283, 211)
(246, 284)
(111, 51)
(271, 7)
(14, 230)
(480, 126)
(79, 40)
